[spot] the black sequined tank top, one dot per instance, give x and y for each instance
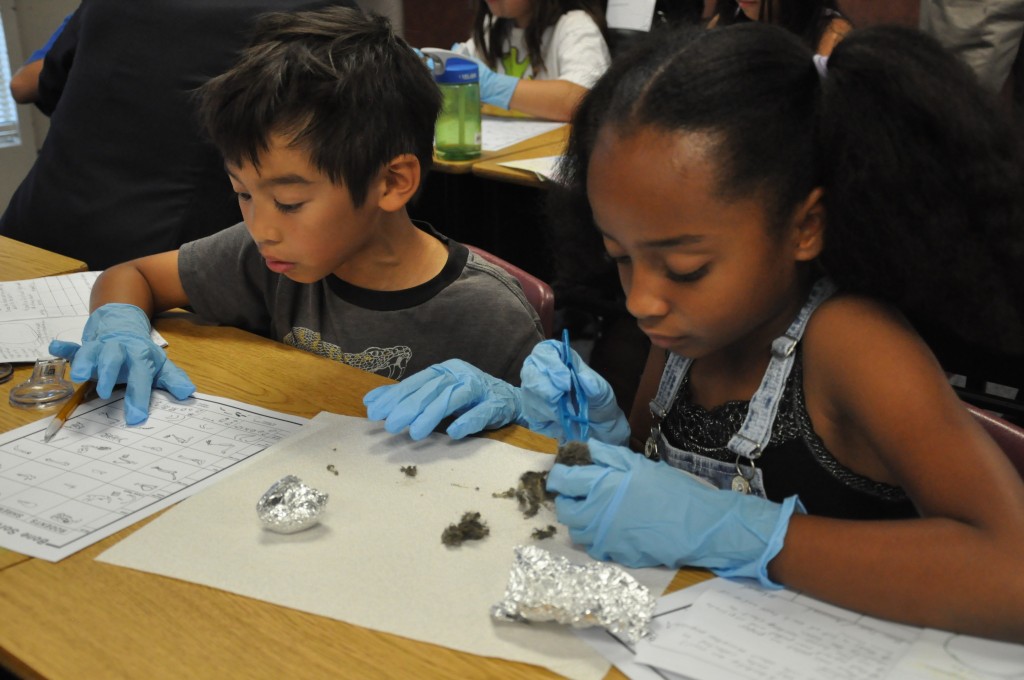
(795, 462)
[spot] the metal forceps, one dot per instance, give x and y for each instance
(572, 405)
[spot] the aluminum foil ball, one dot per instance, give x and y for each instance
(289, 506)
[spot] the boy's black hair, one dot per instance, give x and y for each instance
(337, 81)
(923, 176)
(808, 19)
(545, 14)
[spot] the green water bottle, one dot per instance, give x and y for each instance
(457, 133)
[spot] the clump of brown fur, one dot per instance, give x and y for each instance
(470, 528)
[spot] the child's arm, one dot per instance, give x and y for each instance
(116, 344)
(25, 82)
(884, 408)
(833, 34)
(551, 99)
(151, 283)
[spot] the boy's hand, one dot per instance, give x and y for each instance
(117, 348)
(639, 513)
(545, 378)
(453, 387)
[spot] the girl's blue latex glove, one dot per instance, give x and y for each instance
(117, 348)
(453, 387)
(495, 88)
(545, 378)
(629, 509)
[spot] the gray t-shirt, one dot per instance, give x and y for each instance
(471, 310)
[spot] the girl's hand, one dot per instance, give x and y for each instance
(639, 513)
(545, 379)
(495, 88)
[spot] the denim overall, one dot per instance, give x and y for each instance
(749, 442)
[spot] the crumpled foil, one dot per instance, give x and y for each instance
(546, 587)
(289, 506)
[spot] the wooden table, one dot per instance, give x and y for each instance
(21, 261)
(80, 618)
(549, 144)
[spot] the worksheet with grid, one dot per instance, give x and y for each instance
(35, 311)
(98, 475)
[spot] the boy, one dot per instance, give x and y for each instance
(326, 124)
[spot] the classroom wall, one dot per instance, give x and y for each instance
(438, 23)
(871, 12)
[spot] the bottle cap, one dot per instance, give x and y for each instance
(459, 72)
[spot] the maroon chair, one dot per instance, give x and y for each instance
(538, 293)
(1009, 436)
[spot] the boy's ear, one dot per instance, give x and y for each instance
(400, 180)
(809, 221)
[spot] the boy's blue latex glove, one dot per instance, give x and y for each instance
(453, 387)
(495, 88)
(545, 378)
(629, 509)
(117, 348)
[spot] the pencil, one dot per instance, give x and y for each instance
(58, 420)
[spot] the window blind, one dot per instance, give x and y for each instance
(9, 132)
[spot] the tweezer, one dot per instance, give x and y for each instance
(572, 405)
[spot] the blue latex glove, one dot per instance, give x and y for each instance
(453, 387)
(427, 60)
(639, 513)
(545, 378)
(495, 88)
(116, 348)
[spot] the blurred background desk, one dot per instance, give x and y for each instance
(80, 618)
(549, 144)
(527, 146)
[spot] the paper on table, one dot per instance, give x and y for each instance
(376, 560)
(35, 311)
(543, 167)
(720, 645)
(621, 653)
(938, 655)
(98, 475)
(498, 133)
(736, 631)
(634, 15)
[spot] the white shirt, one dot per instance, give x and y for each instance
(573, 49)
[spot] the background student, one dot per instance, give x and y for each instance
(538, 56)
(25, 81)
(732, 201)
(326, 126)
(818, 22)
(124, 170)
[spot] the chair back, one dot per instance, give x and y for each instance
(1009, 436)
(538, 293)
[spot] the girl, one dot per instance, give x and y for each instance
(538, 57)
(779, 231)
(818, 23)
